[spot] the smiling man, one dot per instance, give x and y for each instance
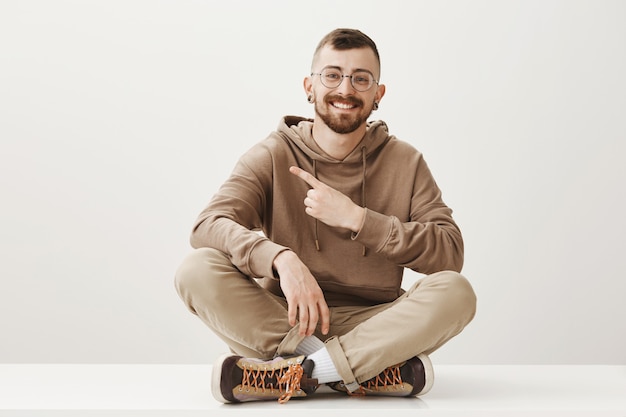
(344, 208)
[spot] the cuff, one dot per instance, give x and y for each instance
(262, 257)
(375, 231)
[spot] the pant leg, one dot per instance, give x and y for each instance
(430, 313)
(252, 321)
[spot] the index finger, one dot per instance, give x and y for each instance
(308, 178)
(324, 314)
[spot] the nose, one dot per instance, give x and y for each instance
(346, 87)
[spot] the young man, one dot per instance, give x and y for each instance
(344, 207)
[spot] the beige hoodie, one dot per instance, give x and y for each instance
(406, 223)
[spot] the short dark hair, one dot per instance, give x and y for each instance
(343, 39)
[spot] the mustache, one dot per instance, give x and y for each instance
(346, 99)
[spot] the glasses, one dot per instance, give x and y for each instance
(360, 80)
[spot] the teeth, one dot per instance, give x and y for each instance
(343, 106)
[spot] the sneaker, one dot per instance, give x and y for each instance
(237, 379)
(406, 379)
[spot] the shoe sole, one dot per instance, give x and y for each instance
(429, 374)
(216, 378)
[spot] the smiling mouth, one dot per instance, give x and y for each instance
(342, 106)
(343, 103)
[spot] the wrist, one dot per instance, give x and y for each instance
(281, 258)
(358, 219)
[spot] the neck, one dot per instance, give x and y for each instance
(335, 144)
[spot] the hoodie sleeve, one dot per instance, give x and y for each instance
(430, 241)
(232, 218)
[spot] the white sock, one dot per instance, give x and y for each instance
(309, 344)
(324, 369)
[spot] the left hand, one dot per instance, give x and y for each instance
(329, 205)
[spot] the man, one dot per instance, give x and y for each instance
(344, 207)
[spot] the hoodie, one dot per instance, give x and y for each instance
(406, 224)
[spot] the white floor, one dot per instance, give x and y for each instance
(183, 390)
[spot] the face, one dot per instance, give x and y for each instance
(344, 109)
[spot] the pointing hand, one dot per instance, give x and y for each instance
(329, 205)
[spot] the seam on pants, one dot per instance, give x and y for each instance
(341, 363)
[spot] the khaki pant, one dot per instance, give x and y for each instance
(362, 341)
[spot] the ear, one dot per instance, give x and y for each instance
(308, 86)
(380, 92)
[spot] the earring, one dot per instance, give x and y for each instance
(375, 105)
(310, 98)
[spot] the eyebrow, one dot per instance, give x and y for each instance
(341, 69)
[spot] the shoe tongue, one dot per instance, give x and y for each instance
(308, 366)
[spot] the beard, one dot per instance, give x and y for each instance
(343, 123)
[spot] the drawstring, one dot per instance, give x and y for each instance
(317, 242)
(364, 159)
(363, 200)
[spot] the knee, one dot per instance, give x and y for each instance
(459, 293)
(464, 291)
(196, 273)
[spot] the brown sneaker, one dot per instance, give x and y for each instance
(237, 379)
(410, 378)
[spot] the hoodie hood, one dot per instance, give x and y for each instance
(299, 130)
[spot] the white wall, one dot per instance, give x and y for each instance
(119, 119)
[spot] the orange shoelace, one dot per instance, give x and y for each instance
(291, 380)
(390, 376)
(288, 382)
